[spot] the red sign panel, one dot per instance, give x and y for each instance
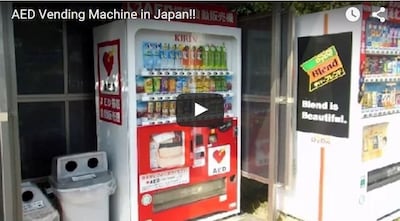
(109, 75)
(203, 14)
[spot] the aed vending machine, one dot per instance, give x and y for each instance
(348, 114)
(168, 109)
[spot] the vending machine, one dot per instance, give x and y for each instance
(168, 110)
(348, 113)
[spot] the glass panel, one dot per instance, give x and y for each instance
(255, 137)
(42, 136)
(256, 84)
(39, 57)
(80, 58)
(82, 123)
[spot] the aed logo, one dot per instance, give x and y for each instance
(23, 14)
(219, 170)
(219, 160)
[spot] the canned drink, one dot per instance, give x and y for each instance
(179, 84)
(193, 84)
(165, 108)
(148, 85)
(223, 84)
(164, 85)
(157, 110)
(156, 84)
(172, 108)
(187, 84)
(172, 85)
(217, 81)
(367, 100)
(198, 85)
(212, 84)
(206, 84)
(229, 82)
(150, 110)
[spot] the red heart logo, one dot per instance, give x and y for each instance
(219, 155)
(108, 61)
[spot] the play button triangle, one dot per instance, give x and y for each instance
(199, 109)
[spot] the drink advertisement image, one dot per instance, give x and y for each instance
(323, 79)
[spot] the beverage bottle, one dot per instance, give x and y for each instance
(217, 58)
(147, 55)
(192, 57)
(199, 57)
(369, 32)
(164, 56)
(374, 36)
(178, 56)
(205, 58)
(211, 56)
(185, 57)
(157, 51)
(397, 35)
(223, 65)
(379, 36)
(171, 56)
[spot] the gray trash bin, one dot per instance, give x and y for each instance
(83, 184)
(35, 205)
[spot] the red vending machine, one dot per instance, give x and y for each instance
(168, 106)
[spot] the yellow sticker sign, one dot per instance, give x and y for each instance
(323, 68)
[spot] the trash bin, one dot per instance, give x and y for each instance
(83, 184)
(35, 205)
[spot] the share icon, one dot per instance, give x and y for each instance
(376, 14)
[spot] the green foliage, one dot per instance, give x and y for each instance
(300, 8)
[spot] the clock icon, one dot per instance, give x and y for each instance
(353, 14)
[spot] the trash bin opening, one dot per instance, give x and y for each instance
(83, 177)
(27, 196)
(70, 166)
(93, 163)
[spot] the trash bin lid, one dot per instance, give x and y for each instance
(82, 181)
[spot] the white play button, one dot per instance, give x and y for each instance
(199, 109)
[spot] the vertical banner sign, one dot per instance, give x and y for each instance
(323, 92)
(109, 75)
